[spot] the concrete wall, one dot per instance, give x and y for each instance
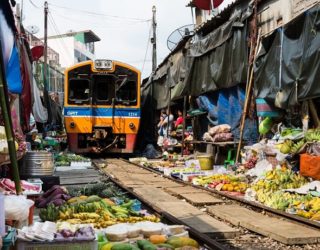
(65, 47)
(275, 13)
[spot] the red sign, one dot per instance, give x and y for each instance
(206, 4)
(37, 52)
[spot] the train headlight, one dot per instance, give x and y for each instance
(103, 64)
(131, 125)
(72, 125)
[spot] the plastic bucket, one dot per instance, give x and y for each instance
(206, 162)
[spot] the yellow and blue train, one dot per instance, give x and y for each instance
(102, 106)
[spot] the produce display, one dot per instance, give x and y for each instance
(145, 235)
(66, 159)
(56, 196)
(185, 171)
(104, 189)
(57, 205)
(271, 191)
(222, 182)
(278, 179)
(10, 187)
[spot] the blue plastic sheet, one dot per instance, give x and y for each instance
(225, 107)
(13, 73)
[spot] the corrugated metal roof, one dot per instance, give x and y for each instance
(223, 16)
(207, 26)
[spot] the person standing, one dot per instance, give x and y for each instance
(179, 120)
(168, 123)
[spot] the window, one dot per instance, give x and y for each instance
(103, 89)
(79, 90)
(126, 92)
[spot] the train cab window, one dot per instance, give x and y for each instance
(103, 89)
(79, 90)
(126, 92)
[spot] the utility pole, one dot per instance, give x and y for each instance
(154, 66)
(45, 63)
(154, 39)
(45, 49)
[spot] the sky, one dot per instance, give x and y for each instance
(123, 25)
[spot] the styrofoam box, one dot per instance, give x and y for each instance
(80, 164)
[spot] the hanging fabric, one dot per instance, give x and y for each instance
(10, 54)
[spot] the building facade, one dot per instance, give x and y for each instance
(74, 47)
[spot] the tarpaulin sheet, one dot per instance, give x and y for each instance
(223, 67)
(225, 107)
(10, 53)
(288, 69)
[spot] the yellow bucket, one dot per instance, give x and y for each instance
(206, 162)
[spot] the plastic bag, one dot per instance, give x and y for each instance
(17, 207)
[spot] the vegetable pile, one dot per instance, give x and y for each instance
(66, 159)
(94, 210)
(55, 196)
(102, 189)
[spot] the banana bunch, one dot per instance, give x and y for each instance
(296, 147)
(277, 201)
(120, 212)
(286, 146)
(312, 135)
(315, 204)
(305, 214)
(85, 216)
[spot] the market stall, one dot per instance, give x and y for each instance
(281, 173)
(97, 216)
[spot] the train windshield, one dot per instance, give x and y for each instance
(104, 87)
(126, 91)
(79, 90)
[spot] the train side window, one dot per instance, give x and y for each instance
(127, 92)
(79, 90)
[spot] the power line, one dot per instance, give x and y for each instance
(92, 23)
(55, 28)
(148, 44)
(101, 14)
(34, 5)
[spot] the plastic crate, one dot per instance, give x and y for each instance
(9, 239)
(74, 245)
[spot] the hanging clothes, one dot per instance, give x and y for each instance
(25, 97)
(39, 111)
(9, 48)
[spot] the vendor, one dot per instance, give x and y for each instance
(179, 120)
(163, 115)
(167, 123)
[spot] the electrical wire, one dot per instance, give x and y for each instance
(34, 5)
(99, 25)
(56, 30)
(146, 53)
(101, 14)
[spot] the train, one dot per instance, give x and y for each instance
(102, 106)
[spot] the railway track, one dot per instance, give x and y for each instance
(255, 205)
(222, 242)
(78, 178)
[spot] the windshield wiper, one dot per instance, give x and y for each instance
(124, 81)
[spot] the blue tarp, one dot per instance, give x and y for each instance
(225, 107)
(13, 73)
(10, 54)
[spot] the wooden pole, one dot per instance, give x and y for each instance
(314, 113)
(184, 123)
(169, 111)
(247, 99)
(5, 110)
